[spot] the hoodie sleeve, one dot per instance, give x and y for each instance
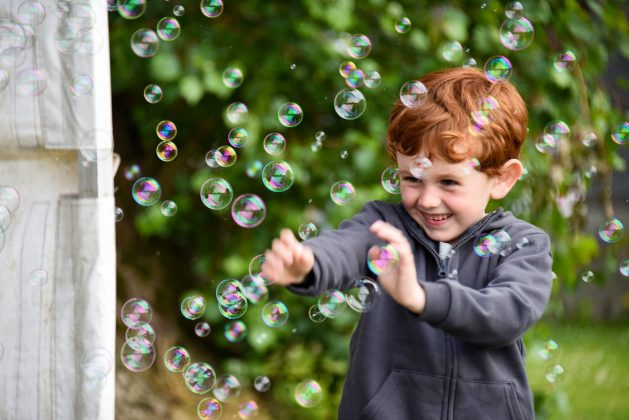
(500, 313)
(341, 254)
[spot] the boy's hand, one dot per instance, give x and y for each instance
(288, 261)
(401, 281)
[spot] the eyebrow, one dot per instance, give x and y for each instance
(445, 175)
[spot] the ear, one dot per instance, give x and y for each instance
(509, 174)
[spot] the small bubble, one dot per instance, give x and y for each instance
(262, 383)
(344, 154)
(293, 66)
(179, 10)
(587, 276)
(118, 214)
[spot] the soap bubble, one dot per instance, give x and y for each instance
(498, 68)
(169, 208)
(514, 10)
(290, 114)
(166, 130)
(372, 79)
(363, 295)
(624, 267)
(620, 134)
(225, 156)
(232, 77)
(131, 9)
(346, 68)
(559, 131)
(262, 383)
(81, 85)
(140, 337)
(254, 288)
(227, 388)
(131, 172)
(382, 259)
(235, 331)
(31, 13)
(548, 350)
(589, 139)
(153, 93)
(168, 29)
(452, 51)
(177, 359)
(307, 231)
(355, 79)
(193, 307)
(137, 360)
(413, 93)
(611, 230)
(517, 34)
(146, 191)
(233, 305)
(136, 312)
(342, 193)
(210, 158)
(118, 214)
(403, 25)
(344, 154)
(248, 409)
(216, 193)
(255, 269)
(278, 176)
(179, 10)
(237, 113)
(308, 393)
(470, 62)
(523, 242)
(9, 197)
(202, 329)
(37, 278)
(359, 46)
(587, 276)
(209, 408)
(565, 61)
(419, 166)
(211, 8)
(166, 151)
(274, 143)
(200, 377)
(275, 314)
(144, 43)
(248, 210)
(350, 104)
(226, 288)
(554, 374)
(331, 303)
(31, 82)
(96, 363)
(320, 136)
(254, 169)
(315, 315)
(238, 137)
(485, 245)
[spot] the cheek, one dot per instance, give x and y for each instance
(409, 197)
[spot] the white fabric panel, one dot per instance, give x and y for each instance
(57, 339)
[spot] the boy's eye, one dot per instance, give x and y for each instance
(449, 182)
(412, 179)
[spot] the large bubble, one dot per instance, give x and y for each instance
(232, 77)
(168, 29)
(274, 143)
(275, 314)
(200, 377)
(290, 114)
(146, 191)
(307, 231)
(611, 230)
(212, 8)
(166, 151)
(498, 68)
(193, 307)
(176, 359)
(131, 9)
(209, 409)
(413, 93)
(308, 393)
(140, 337)
(166, 130)
(248, 210)
(390, 180)
(137, 360)
(278, 176)
(565, 61)
(382, 259)
(225, 156)
(227, 388)
(237, 113)
(350, 104)
(235, 331)
(359, 46)
(144, 43)
(516, 34)
(342, 193)
(331, 303)
(620, 133)
(363, 295)
(216, 193)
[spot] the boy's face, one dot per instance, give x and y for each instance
(447, 199)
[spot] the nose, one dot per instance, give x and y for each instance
(428, 198)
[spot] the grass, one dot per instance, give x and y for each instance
(595, 379)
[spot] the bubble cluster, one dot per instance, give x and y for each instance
(620, 133)
(193, 307)
(209, 409)
(153, 93)
(517, 33)
(331, 303)
(166, 130)
(146, 191)
(363, 295)
(278, 176)
(227, 388)
(275, 314)
(413, 93)
(212, 8)
(565, 61)
(168, 29)
(238, 137)
(169, 208)
(290, 114)
(216, 193)
(342, 193)
(200, 377)
(307, 231)
(611, 230)
(235, 331)
(232, 77)
(166, 151)
(498, 68)
(274, 143)
(350, 104)
(144, 43)
(359, 46)
(403, 25)
(382, 259)
(248, 210)
(176, 359)
(390, 180)
(308, 393)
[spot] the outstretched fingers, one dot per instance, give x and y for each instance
(392, 235)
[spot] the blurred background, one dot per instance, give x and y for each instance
(570, 63)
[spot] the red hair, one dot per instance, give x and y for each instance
(463, 116)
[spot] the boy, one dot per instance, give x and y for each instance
(445, 341)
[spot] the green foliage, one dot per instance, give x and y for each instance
(263, 39)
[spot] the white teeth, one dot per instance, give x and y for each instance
(438, 218)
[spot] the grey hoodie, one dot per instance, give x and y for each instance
(463, 357)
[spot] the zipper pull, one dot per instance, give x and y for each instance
(442, 267)
(444, 254)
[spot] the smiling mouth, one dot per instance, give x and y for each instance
(436, 219)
